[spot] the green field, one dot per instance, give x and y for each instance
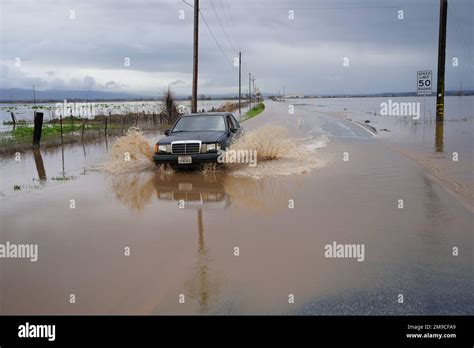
(50, 130)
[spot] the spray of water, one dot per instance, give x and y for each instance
(270, 142)
(130, 153)
(277, 153)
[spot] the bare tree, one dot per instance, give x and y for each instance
(169, 108)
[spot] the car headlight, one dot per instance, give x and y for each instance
(162, 148)
(213, 147)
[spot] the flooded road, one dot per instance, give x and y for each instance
(248, 240)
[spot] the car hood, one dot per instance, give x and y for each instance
(204, 137)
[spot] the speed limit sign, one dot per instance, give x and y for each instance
(423, 82)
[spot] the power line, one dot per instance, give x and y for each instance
(222, 26)
(226, 11)
(215, 40)
(461, 37)
(184, 1)
(333, 8)
(234, 32)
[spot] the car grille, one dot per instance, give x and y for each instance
(185, 148)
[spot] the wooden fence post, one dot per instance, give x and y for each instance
(13, 118)
(61, 124)
(38, 119)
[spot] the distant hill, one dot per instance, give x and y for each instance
(26, 95)
(17, 94)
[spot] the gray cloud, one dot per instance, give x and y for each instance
(304, 54)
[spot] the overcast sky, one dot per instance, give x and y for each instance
(88, 48)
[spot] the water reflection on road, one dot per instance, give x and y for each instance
(197, 190)
(201, 286)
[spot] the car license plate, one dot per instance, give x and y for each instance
(184, 159)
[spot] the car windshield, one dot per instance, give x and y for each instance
(200, 123)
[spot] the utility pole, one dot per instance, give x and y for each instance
(250, 92)
(240, 81)
(195, 57)
(443, 12)
(253, 85)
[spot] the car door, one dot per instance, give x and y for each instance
(233, 124)
(240, 130)
(229, 134)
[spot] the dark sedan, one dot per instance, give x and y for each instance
(195, 139)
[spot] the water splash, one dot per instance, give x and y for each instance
(130, 153)
(278, 153)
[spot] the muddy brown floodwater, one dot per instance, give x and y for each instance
(131, 246)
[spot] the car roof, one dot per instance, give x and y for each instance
(208, 114)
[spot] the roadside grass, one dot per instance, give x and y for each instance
(254, 112)
(20, 138)
(10, 123)
(50, 130)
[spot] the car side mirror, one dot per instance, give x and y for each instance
(234, 130)
(167, 132)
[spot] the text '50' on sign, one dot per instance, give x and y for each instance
(423, 82)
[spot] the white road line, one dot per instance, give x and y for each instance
(361, 126)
